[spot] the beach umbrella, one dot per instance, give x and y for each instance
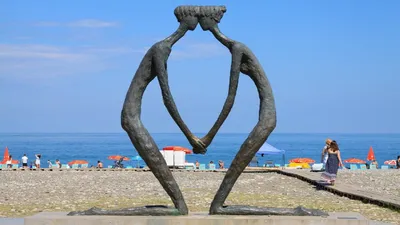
(7, 156)
(371, 155)
(354, 161)
(79, 162)
(178, 148)
(137, 158)
(390, 162)
(117, 157)
(302, 160)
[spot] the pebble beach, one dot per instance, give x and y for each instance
(24, 193)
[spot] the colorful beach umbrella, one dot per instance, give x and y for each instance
(354, 161)
(7, 156)
(390, 162)
(178, 148)
(302, 160)
(78, 162)
(117, 157)
(371, 154)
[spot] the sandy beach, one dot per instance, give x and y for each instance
(25, 193)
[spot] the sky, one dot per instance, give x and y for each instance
(65, 66)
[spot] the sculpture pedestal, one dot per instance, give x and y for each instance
(61, 218)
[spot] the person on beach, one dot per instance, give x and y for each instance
(374, 162)
(24, 160)
(324, 155)
(211, 163)
(58, 163)
(9, 162)
(197, 164)
(50, 164)
(333, 163)
(398, 162)
(99, 164)
(221, 164)
(37, 162)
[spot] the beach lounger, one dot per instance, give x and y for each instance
(353, 167)
(15, 166)
(202, 167)
(109, 167)
(363, 167)
(212, 167)
(75, 166)
(84, 165)
(129, 167)
(384, 167)
(269, 163)
(372, 167)
(64, 166)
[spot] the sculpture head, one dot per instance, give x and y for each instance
(210, 16)
(187, 15)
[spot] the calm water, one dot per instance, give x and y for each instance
(93, 147)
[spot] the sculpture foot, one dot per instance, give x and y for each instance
(252, 210)
(151, 210)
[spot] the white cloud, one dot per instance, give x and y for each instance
(92, 23)
(44, 61)
(86, 23)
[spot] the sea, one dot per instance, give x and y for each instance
(98, 146)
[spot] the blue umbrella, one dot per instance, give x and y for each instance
(137, 158)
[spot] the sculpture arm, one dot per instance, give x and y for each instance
(233, 85)
(162, 76)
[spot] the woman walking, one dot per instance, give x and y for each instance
(332, 164)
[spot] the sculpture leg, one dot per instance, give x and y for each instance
(150, 153)
(247, 151)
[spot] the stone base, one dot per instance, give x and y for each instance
(50, 218)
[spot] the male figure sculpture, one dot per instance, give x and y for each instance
(154, 64)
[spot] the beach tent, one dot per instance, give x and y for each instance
(267, 149)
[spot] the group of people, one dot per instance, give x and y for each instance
(24, 160)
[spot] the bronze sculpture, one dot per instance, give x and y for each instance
(154, 64)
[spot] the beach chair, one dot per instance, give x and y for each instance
(75, 166)
(202, 167)
(363, 167)
(353, 167)
(109, 167)
(384, 167)
(64, 166)
(212, 167)
(84, 165)
(15, 166)
(372, 167)
(129, 167)
(269, 163)
(277, 165)
(1, 166)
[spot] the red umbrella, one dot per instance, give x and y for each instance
(178, 148)
(371, 155)
(7, 156)
(355, 161)
(117, 157)
(302, 160)
(390, 162)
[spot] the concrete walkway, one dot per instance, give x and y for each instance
(346, 190)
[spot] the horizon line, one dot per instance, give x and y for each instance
(77, 132)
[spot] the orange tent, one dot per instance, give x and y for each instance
(178, 148)
(7, 156)
(355, 161)
(371, 155)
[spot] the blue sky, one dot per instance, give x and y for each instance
(65, 66)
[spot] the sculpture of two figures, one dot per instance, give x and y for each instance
(154, 65)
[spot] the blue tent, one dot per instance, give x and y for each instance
(268, 149)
